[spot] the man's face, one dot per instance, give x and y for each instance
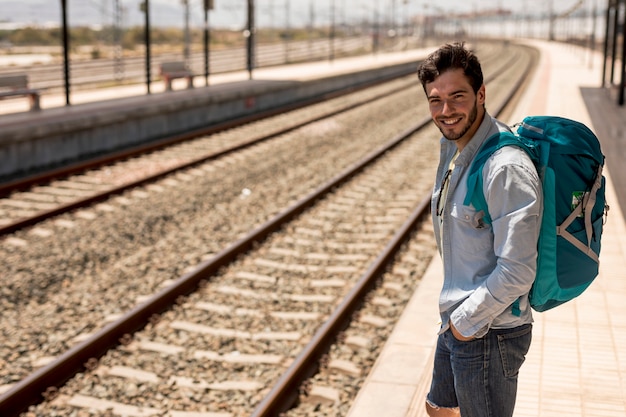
(455, 108)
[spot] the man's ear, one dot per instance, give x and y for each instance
(481, 94)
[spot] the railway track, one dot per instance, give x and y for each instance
(28, 201)
(297, 279)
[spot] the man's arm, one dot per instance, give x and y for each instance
(514, 196)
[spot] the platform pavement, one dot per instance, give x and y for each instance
(576, 366)
(301, 72)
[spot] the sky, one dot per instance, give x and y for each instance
(280, 13)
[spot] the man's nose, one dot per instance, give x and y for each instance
(447, 107)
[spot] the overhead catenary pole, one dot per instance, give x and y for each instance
(66, 48)
(376, 30)
(311, 24)
(622, 86)
(592, 36)
(186, 34)
(287, 31)
(392, 24)
(615, 30)
(208, 5)
(331, 37)
(145, 8)
(250, 38)
(118, 68)
(551, 20)
(607, 33)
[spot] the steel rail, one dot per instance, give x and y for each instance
(22, 184)
(65, 171)
(19, 184)
(32, 389)
(285, 392)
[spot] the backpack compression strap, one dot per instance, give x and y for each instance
(585, 207)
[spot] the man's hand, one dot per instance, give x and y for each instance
(459, 336)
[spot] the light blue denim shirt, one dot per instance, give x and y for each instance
(487, 267)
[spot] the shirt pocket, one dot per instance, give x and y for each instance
(469, 231)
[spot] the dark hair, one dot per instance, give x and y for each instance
(451, 56)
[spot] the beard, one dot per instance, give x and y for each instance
(451, 135)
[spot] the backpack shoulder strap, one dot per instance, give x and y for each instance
(475, 194)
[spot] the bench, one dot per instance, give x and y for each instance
(17, 85)
(172, 70)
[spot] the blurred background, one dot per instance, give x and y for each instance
(90, 43)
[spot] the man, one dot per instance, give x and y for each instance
(487, 267)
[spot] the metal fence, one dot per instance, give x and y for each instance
(74, 44)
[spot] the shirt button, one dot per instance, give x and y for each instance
(466, 217)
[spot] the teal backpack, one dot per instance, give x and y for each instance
(569, 162)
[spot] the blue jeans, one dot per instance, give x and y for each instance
(480, 376)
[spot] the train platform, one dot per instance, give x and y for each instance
(112, 119)
(577, 362)
(296, 72)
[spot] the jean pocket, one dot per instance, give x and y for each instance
(513, 347)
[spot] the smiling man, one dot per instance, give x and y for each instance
(483, 340)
